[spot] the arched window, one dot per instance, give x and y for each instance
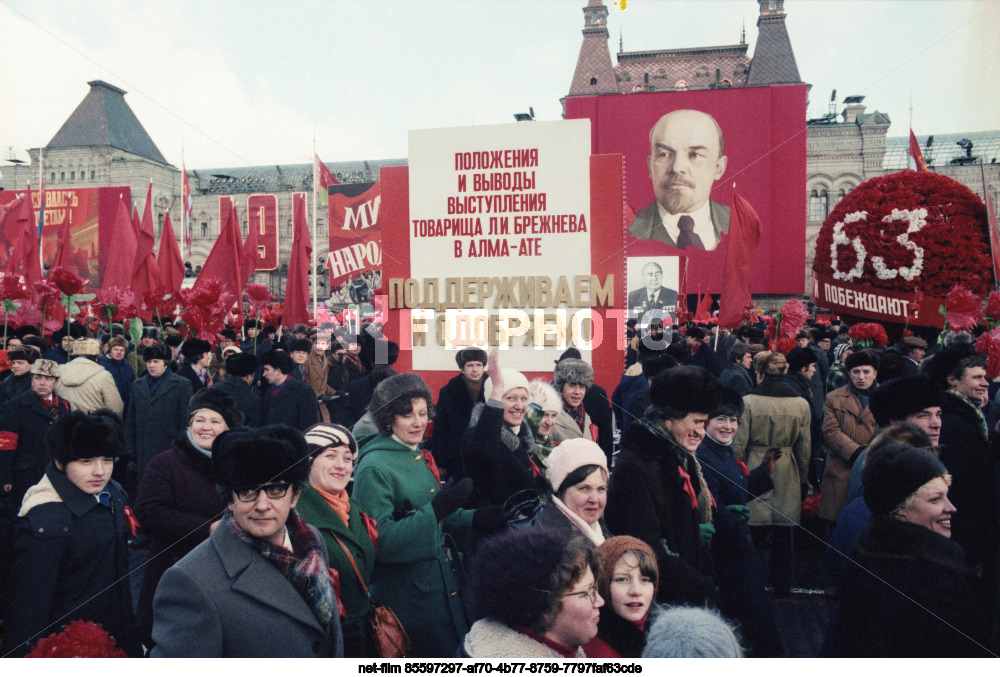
(681, 84)
(593, 81)
(824, 201)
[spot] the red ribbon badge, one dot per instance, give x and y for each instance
(431, 464)
(688, 488)
(743, 468)
(131, 522)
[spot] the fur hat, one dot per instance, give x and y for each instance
(691, 632)
(324, 435)
(25, 353)
(230, 350)
(157, 352)
(573, 353)
(248, 458)
(800, 358)
(511, 379)
(894, 472)
(685, 390)
(945, 362)
(572, 370)
(241, 364)
(152, 332)
(194, 348)
(862, 358)
(570, 455)
(118, 342)
(45, 368)
(229, 334)
(78, 435)
(470, 355)
(37, 342)
(278, 359)
(407, 386)
(897, 399)
(302, 345)
(87, 347)
(219, 402)
(770, 363)
(544, 396)
(253, 324)
(730, 404)
(300, 328)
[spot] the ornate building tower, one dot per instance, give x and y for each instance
(773, 61)
(594, 71)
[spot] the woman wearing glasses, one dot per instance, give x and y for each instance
(737, 571)
(536, 595)
(259, 586)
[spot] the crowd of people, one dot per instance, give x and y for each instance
(279, 489)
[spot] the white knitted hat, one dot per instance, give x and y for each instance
(511, 379)
(570, 455)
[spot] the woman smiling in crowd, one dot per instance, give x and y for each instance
(578, 471)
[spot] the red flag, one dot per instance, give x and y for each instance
(251, 256)
(916, 156)
(703, 313)
(24, 256)
(322, 178)
(118, 271)
(187, 205)
(145, 275)
(296, 305)
(225, 261)
(64, 248)
(169, 260)
(744, 234)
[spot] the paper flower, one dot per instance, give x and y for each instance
(79, 639)
(989, 344)
(68, 283)
(963, 308)
(258, 296)
(867, 334)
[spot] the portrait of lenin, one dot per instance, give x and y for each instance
(686, 157)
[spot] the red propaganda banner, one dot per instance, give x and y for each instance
(90, 215)
(862, 300)
(355, 258)
(684, 151)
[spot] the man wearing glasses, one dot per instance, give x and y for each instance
(259, 586)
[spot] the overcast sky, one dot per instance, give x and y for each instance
(251, 82)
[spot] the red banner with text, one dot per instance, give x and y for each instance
(355, 258)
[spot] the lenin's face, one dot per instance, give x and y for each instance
(684, 160)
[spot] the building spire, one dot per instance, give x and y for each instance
(595, 73)
(743, 32)
(773, 61)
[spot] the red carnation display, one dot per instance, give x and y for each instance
(79, 639)
(867, 334)
(897, 239)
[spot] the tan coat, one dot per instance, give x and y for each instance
(846, 429)
(88, 386)
(776, 416)
(565, 428)
(316, 369)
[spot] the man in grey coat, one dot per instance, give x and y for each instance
(259, 586)
(157, 411)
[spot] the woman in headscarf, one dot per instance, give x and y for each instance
(909, 595)
(578, 471)
(350, 535)
(177, 504)
(658, 493)
(421, 524)
(627, 581)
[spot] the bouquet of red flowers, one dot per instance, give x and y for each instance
(79, 639)
(867, 334)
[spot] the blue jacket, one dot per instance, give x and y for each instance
(122, 372)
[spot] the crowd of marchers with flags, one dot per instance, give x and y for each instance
(204, 472)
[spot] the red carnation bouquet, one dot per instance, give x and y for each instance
(785, 324)
(867, 334)
(962, 309)
(79, 639)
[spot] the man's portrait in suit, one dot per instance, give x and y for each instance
(686, 156)
(653, 295)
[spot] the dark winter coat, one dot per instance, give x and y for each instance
(451, 419)
(597, 404)
(294, 405)
(359, 394)
(736, 377)
(26, 417)
(357, 538)
(623, 636)
(13, 386)
(121, 372)
(176, 504)
(188, 372)
(646, 499)
(632, 382)
(413, 570)
(910, 597)
(244, 399)
(153, 421)
(729, 486)
(225, 600)
(69, 561)
(494, 457)
(967, 455)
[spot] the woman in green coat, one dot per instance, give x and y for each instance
(324, 504)
(421, 526)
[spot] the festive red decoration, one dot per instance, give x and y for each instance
(258, 296)
(117, 305)
(13, 289)
(79, 639)
(4, 362)
(989, 344)
(866, 334)
(993, 307)
(785, 324)
(964, 308)
(905, 231)
(810, 506)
